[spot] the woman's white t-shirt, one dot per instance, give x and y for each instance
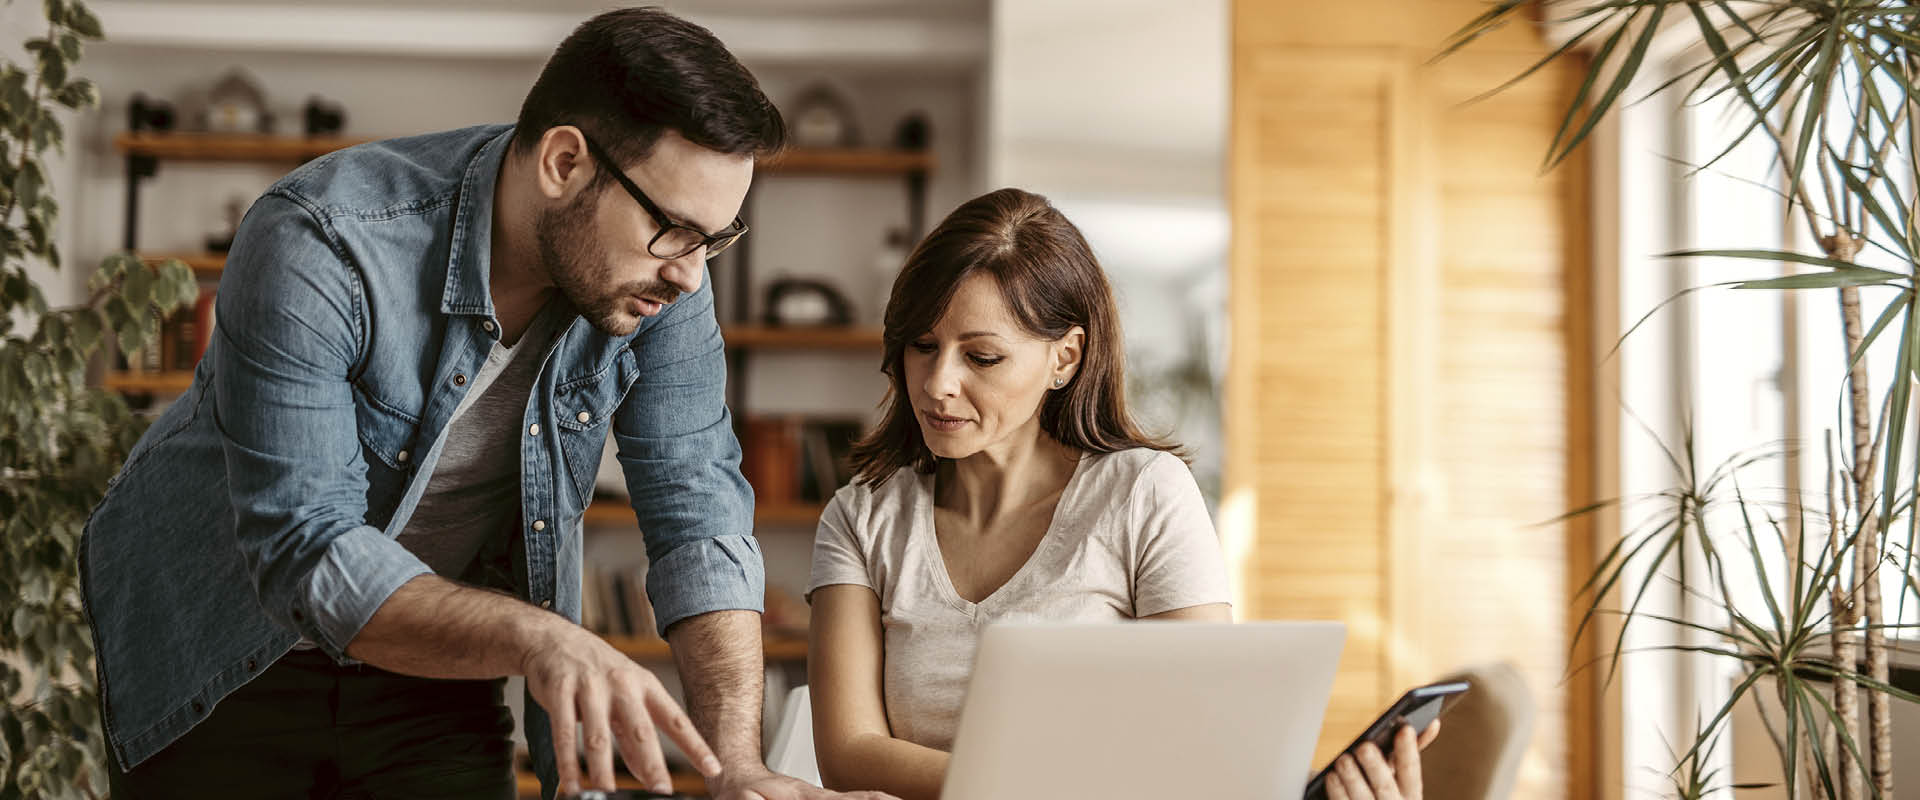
(1130, 538)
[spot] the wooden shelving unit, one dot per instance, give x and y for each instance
(206, 265)
(261, 147)
(136, 382)
(803, 337)
(851, 161)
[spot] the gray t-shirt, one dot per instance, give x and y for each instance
(1130, 538)
(474, 488)
(475, 484)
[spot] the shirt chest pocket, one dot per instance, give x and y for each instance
(388, 440)
(584, 408)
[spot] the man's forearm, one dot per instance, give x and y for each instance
(721, 667)
(432, 627)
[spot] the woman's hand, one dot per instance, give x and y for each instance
(1370, 777)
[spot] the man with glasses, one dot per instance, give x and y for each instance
(315, 570)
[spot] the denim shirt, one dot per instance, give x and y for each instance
(262, 506)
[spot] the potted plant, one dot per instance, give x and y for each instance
(60, 439)
(1830, 85)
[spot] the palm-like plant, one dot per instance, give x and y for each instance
(1830, 84)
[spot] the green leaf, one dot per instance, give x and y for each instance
(26, 185)
(70, 47)
(183, 287)
(1629, 68)
(13, 91)
(86, 331)
(1893, 309)
(1821, 280)
(53, 67)
(117, 310)
(83, 22)
(1579, 103)
(78, 94)
(1821, 81)
(1781, 255)
(132, 336)
(137, 287)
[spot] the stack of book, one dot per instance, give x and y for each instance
(182, 342)
(790, 460)
(613, 602)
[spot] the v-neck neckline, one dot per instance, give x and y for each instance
(938, 558)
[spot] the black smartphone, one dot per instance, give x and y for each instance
(1418, 707)
(621, 794)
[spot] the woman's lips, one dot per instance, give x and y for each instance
(944, 424)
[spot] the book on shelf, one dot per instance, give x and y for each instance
(181, 343)
(613, 602)
(825, 449)
(791, 460)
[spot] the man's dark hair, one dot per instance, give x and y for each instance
(626, 77)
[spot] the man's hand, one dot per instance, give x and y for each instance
(582, 681)
(748, 783)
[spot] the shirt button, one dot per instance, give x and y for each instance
(546, 604)
(487, 326)
(534, 429)
(459, 379)
(583, 416)
(539, 524)
(401, 456)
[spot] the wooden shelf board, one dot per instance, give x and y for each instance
(136, 382)
(613, 513)
(647, 648)
(183, 146)
(206, 265)
(807, 337)
(788, 513)
(200, 146)
(851, 161)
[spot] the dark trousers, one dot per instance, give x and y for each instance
(308, 729)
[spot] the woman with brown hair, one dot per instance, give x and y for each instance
(1007, 482)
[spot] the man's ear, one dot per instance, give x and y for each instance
(561, 163)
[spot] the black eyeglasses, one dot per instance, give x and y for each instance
(674, 240)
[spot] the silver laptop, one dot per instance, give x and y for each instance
(1142, 710)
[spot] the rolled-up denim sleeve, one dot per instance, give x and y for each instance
(289, 332)
(674, 439)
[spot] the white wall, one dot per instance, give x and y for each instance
(1117, 111)
(18, 22)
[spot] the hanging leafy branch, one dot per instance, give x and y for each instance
(60, 439)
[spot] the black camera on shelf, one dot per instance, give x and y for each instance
(323, 117)
(147, 114)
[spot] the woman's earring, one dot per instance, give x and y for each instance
(1059, 382)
